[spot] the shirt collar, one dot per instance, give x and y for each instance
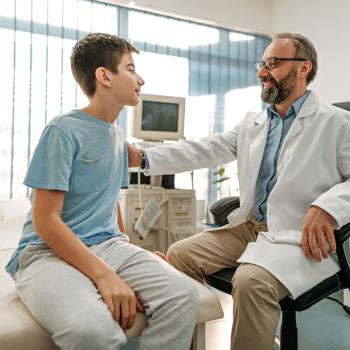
(293, 109)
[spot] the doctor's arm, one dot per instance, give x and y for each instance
(187, 155)
(330, 210)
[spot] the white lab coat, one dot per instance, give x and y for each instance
(313, 169)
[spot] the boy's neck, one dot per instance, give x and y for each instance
(103, 110)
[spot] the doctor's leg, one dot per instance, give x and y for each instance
(211, 251)
(256, 310)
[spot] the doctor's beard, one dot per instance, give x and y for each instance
(281, 90)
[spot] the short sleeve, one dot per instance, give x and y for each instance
(125, 181)
(51, 164)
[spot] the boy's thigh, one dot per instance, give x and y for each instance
(151, 278)
(214, 250)
(59, 296)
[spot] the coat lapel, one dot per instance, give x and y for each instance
(307, 110)
(257, 140)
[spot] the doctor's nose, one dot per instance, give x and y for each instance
(263, 72)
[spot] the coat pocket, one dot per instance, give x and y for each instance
(287, 237)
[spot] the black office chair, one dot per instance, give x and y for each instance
(341, 280)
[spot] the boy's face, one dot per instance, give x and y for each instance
(127, 83)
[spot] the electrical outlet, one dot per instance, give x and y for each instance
(148, 218)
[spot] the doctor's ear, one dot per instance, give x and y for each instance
(103, 76)
(305, 69)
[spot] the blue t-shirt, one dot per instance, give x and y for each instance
(87, 159)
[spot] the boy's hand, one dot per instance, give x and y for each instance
(161, 255)
(120, 299)
(135, 156)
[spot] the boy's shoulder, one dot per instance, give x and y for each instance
(65, 121)
(73, 125)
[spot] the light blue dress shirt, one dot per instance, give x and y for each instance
(267, 177)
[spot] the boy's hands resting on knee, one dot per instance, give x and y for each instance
(120, 299)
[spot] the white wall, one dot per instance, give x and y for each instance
(248, 15)
(327, 24)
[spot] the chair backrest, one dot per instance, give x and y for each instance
(343, 253)
(222, 208)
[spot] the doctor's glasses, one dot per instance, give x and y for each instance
(272, 63)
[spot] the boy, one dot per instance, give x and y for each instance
(74, 270)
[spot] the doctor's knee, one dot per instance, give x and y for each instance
(178, 254)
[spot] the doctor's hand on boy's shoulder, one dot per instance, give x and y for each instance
(120, 299)
(134, 155)
(318, 234)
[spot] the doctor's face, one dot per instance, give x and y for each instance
(278, 77)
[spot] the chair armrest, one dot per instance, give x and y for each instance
(222, 208)
(343, 252)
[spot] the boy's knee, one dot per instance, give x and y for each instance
(185, 295)
(183, 290)
(190, 289)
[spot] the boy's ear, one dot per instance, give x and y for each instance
(103, 76)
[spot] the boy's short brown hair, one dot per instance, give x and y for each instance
(93, 51)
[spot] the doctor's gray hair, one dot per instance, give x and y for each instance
(304, 48)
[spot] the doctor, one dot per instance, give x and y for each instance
(294, 169)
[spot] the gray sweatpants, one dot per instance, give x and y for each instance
(68, 305)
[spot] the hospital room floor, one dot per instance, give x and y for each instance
(325, 326)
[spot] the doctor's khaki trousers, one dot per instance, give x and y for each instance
(68, 305)
(256, 293)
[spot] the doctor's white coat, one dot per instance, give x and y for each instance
(313, 169)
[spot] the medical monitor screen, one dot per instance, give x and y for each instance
(160, 116)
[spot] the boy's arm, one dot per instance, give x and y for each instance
(120, 220)
(119, 298)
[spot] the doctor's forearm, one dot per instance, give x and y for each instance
(186, 156)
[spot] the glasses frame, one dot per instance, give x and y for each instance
(262, 64)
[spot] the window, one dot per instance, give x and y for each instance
(212, 67)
